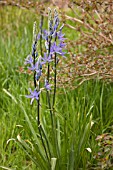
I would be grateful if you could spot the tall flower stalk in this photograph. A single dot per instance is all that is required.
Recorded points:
(46, 60)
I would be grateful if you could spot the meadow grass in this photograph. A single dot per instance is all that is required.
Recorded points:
(81, 114)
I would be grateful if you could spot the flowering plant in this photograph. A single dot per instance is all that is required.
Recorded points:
(43, 63)
(54, 44)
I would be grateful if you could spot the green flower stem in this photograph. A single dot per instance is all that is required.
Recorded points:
(41, 51)
(55, 74)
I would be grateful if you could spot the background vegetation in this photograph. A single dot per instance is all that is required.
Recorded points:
(84, 96)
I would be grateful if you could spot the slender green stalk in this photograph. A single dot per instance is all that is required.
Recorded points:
(55, 75)
(47, 143)
(101, 113)
(48, 69)
(41, 24)
(50, 109)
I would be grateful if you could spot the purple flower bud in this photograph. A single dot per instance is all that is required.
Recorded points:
(60, 36)
(33, 53)
(56, 23)
(40, 66)
(38, 74)
(34, 47)
(41, 24)
(45, 35)
(47, 85)
(57, 60)
(50, 25)
(36, 54)
(38, 37)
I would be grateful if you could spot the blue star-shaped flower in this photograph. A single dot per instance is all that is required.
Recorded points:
(29, 60)
(33, 95)
(37, 66)
(46, 59)
(61, 36)
(56, 49)
(33, 67)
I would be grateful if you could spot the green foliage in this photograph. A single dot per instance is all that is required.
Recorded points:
(80, 115)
